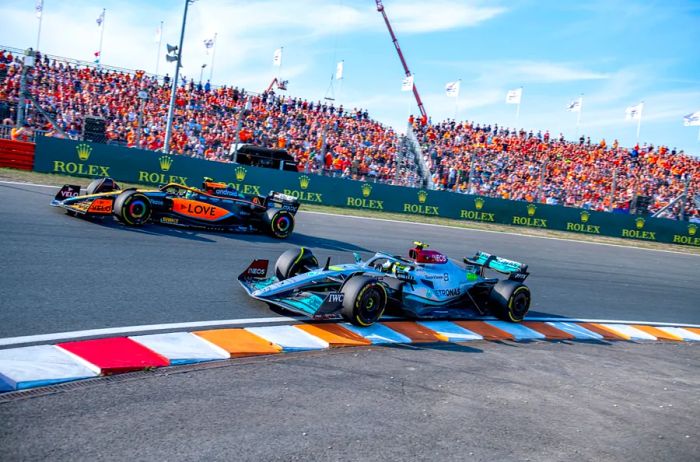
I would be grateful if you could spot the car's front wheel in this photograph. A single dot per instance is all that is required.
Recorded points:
(293, 262)
(132, 208)
(364, 300)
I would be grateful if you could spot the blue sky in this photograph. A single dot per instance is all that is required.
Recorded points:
(617, 53)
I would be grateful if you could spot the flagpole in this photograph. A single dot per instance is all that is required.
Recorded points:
(340, 84)
(41, 18)
(102, 35)
(517, 111)
(459, 88)
(580, 110)
(639, 121)
(160, 45)
(279, 68)
(213, 53)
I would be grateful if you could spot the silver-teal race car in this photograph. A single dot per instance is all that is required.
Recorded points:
(425, 285)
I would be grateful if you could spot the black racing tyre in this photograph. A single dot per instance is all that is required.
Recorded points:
(132, 208)
(280, 222)
(102, 185)
(510, 300)
(364, 300)
(293, 262)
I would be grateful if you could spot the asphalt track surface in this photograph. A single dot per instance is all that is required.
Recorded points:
(485, 401)
(66, 274)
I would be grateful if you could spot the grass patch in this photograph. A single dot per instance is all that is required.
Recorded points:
(8, 174)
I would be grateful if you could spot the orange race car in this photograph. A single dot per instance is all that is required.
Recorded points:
(216, 206)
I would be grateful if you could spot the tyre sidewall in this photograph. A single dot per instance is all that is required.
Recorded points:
(504, 300)
(132, 208)
(358, 291)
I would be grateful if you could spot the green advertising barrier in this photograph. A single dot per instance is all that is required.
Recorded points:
(147, 167)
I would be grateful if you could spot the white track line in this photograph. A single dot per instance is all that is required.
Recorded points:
(238, 322)
(511, 233)
(145, 328)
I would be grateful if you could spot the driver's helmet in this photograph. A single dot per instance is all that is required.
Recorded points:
(190, 194)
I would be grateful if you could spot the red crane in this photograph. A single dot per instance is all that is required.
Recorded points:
(380, 8)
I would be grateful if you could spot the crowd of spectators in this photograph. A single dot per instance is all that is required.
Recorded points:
(514, 164)
(461, 156)
(207, 121)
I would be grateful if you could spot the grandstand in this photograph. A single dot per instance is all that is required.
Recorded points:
(459, 156)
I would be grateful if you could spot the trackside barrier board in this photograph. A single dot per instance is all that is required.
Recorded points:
(289, 338)
(378, 334)
(116, 355)
(451, 332)
(578, 332)
(518, 331)
(685, 334)
(181, 347)
(629, 332)
(40, 365)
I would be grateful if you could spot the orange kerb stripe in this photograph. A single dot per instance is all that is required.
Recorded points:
(335, 334)
(658, 333)
(487, 331)
(604, 331)
(239, 342)
(414, 331)
(693, 329)
(549, 331)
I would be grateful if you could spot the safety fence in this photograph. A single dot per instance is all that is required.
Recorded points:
(151, 168)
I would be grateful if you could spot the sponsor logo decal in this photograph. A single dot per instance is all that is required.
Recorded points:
(530, 219)
(240, 173)
(257, 269)
(165, 163)
(336, 297)
(169, 220)
(197, 209)
(448, 292)
(69, 191)
(303, 194)
(421, 208)
(363, 202)
(101, 206)
(690, 239)
(639, 232)
(161, 178)
(83, 151)
(583, 227)
(445, 276)
(478, 215)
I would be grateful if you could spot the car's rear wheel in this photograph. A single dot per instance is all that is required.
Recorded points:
(364, 300)
(132, 208)
(295, 261)
(280, 222)
(510, 300)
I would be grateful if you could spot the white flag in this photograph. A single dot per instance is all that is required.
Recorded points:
(39, 8)
(407, 83)
(452, 89)
(339, 71)
(514, 96)
(692, 120)
(575, 105)
(634, 112)
(100, 19)
(277, 57)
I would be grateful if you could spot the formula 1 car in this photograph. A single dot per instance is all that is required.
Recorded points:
(216, 207)
(426, 285)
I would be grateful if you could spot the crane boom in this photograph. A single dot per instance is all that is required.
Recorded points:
(380, 8)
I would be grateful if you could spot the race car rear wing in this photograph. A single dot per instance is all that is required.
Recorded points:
(516, 271)
(282, 201)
